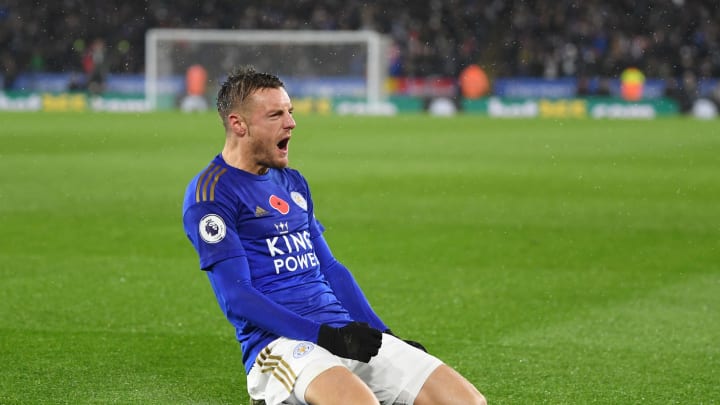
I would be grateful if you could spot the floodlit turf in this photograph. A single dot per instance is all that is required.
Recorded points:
(554, 262)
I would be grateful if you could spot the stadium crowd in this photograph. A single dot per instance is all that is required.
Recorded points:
(539, 38)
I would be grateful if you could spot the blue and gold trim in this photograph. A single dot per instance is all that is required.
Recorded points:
(205, 188)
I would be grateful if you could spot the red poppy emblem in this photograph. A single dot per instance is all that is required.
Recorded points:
(279, 204)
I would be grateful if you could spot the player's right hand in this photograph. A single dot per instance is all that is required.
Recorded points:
(356, 340)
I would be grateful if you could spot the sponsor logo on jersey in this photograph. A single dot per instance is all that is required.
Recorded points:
(302, 349)
(260, 211)
(279, 204)
(299, 200)
(212, 228)
(292, 252)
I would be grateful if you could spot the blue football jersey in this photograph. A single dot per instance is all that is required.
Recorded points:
(269, 219)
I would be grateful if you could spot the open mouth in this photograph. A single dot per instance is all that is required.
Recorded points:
(282, 145)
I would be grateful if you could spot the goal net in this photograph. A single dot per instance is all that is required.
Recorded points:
(349, 65)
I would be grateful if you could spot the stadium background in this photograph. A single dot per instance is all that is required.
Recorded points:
(553, 260)
(577, 50)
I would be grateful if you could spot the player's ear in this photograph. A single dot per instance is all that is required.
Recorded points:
(237, 124)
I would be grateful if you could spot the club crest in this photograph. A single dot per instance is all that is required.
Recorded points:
(302, 349)
(299, 200)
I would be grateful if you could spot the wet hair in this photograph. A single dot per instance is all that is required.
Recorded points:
(239, 85)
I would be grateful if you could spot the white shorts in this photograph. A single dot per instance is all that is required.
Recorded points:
(284, 369)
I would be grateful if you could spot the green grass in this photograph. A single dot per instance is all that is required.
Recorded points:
(556, 262)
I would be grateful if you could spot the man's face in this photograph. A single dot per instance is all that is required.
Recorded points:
(269, 126)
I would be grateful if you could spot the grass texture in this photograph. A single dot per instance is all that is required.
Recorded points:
(550, 262)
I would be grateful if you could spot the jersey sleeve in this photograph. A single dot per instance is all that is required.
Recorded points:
(210, 228)
(345, 287)
(241, 302)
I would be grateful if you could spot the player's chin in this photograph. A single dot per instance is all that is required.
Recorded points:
(281, 162)
(282, 157)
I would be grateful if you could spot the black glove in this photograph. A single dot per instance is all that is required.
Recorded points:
(357, 341)
(412, 343)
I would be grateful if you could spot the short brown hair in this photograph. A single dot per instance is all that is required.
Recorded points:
(240, 84)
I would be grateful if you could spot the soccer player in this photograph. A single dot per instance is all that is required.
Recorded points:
(307, 333)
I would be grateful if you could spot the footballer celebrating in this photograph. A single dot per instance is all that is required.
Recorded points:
(307, 333)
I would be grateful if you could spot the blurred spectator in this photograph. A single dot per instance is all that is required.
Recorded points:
(473, 82)
(9, 70)
(195, 86)
(95, 66)
(715, 95)
(689, 91)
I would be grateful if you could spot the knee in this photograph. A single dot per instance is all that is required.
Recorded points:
(447, 386)
(473, 397)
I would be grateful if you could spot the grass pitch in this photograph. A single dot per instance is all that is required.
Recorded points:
(557, 262)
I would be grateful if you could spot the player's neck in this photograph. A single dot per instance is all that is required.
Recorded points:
(234, 158)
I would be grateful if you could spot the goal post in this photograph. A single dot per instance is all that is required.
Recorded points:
(351, 64)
